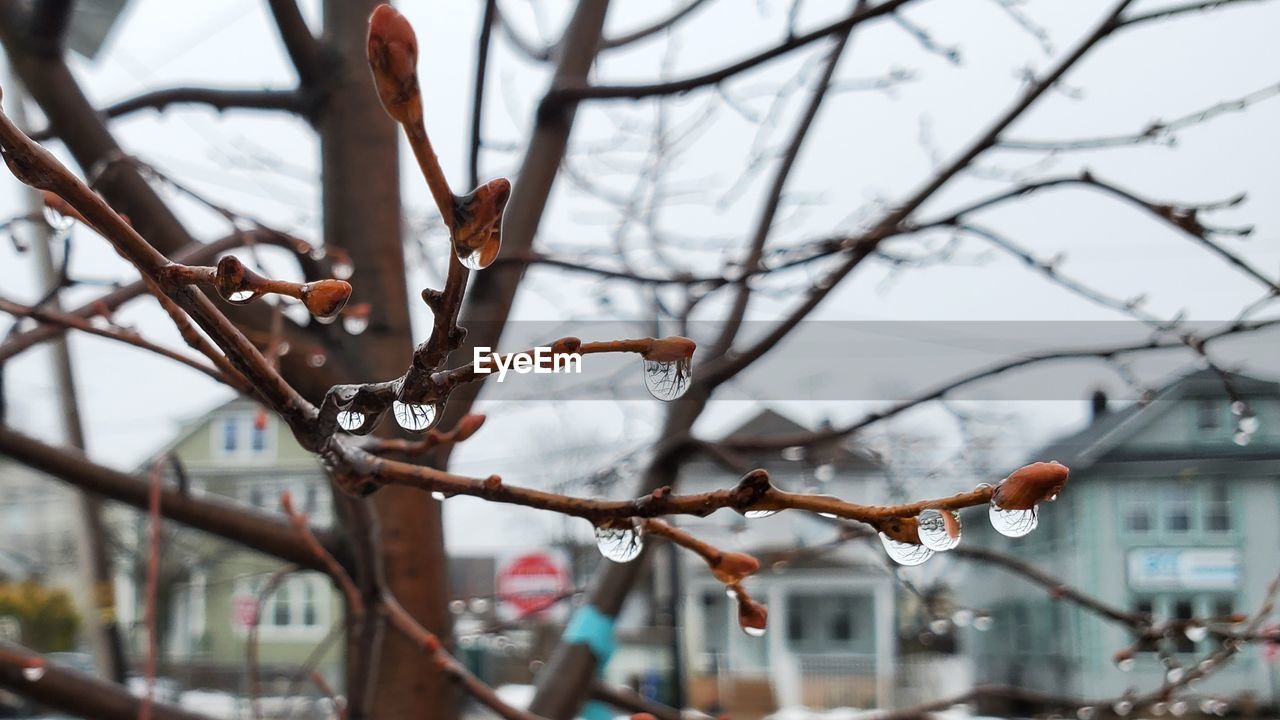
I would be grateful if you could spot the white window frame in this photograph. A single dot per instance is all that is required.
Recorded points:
(294, 585)
(242, 424)
(272, 488)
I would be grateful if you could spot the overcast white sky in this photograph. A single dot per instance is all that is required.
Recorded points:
(868, 146)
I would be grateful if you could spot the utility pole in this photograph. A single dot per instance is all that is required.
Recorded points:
(91, 545)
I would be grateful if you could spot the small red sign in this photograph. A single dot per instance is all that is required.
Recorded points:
(532, 583)
(244, 610)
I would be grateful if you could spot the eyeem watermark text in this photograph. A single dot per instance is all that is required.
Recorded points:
(542, 361)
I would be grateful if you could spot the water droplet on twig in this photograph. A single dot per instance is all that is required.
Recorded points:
(351, 420)
(56, 221)
(414, 417)
(355, 324)
(668, 380)
(620, 542)
(240, 297)
(937, 532)
(904, 553)
(757, 514)
(33, 673)
(1196, 633)
(1087, 712)
(1122, 707)
(1013, 523)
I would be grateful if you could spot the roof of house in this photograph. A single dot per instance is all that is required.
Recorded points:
(768, 422)
(1085, 447)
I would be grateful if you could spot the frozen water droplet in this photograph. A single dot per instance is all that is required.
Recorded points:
(1242, 438)
(983, 623)
(470, 259)
(668, 380)
(939, 626)
(1196, 633)
(1125, 664)
(1159, 709)
(1206, 706)
(354, 324)
(1174, 675)
(757, 514)
(479, 606)
(240, 297)
(57, 221)
(32, 673)
(342, 269)
(317, 359)
(934, 533)
(351, 420)
(793, 453)
(1086, 713)
(414, 417)
(753, 631)
(825, 472)
(1013, 523)
(1122, 707)
(903, 553)
(962, 617)
(1248, 423)
(832, 516)
(731, 593)
(1178, 708)
(438, 496)
(621, 544)
(457, 607)
(1238, 408)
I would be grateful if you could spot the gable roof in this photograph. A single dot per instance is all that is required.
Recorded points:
(1088, 445)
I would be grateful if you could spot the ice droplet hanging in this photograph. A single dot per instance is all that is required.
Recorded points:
(414, 417)
(905, 553)
(1013, 523)
(620, 541)
(939, 532)
(668, 367)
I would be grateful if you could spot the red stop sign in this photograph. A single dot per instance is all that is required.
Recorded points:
(531, 583)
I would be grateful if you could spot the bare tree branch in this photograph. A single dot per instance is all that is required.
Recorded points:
(657, 26)
(299, 42)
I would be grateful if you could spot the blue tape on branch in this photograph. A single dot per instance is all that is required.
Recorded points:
(596, 710)
(594, 629)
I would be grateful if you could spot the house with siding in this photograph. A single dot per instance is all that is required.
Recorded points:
(1171, 510)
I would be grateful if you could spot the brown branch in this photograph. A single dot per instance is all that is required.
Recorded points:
(217, 98)
(154, 530)
(568, 94)
(523, 45)
(333, 568)
(243, 525)
(74, 692)
(487, 20)
(129, 337)
(653, 28)
(624, 698)
(1175, 10)
(299, 42)
(443, 662)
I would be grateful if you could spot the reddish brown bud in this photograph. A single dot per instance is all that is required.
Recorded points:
(642, 716)
(286, 502)
(393, 57)
(734, 567)
(566, 346)
(1028, 486)
(477, 223)
(753, 617)
(671, 349)
(468, 426)
(325, 298)
(905, 530)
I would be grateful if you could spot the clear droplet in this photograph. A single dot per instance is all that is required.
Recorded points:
(668, 380)
(32, 673)
(1087, 712)
(438, 496)
(1159, 709)
(414, 417)
(983, 623)
(1013, 523)
(825, 472)
(793, 453)
(962, 617)
(1174, 675)
(1196, 633)
(342, 269)
(317, 359)
(355, 324)
(621, 544)
(903, 553)
(753, 631)
(934, 533)
(939, 626)
(1206, 706)
(57, 222)
(1178, 708)
(757, 514)
(240, 297)
(351, 420)
(457, 607)
(1122, 707)
(479, 606)
(1248, 423)
(471, 259)
(1126, 664)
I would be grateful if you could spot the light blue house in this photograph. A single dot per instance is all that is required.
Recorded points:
(1166, 513)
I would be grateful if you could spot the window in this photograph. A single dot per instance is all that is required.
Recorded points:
(310, 613)
(1137, 516)
(1217, 509)
(1212, 607)
(308, 494)
(299, 604)
(230, 435)
(258, 435)
(280, 611)
(830, 623)
(1207, 410)
(1183, 609)
(1177, 509)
